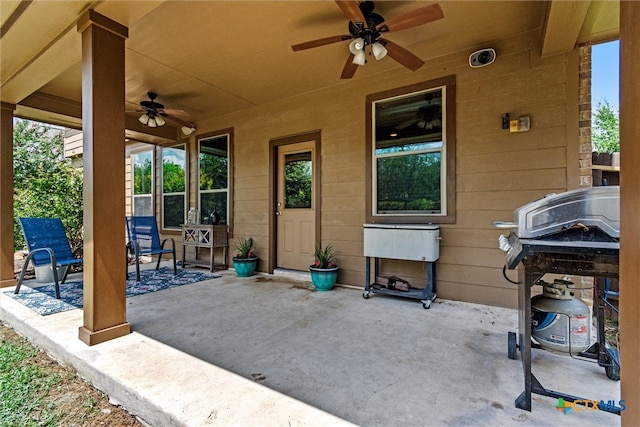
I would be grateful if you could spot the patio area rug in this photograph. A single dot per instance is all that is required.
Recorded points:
(42, 300)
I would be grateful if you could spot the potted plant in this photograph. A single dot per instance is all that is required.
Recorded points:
(324, 272)
(246, 259)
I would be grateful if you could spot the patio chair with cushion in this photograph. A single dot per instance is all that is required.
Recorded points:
(144, 239)
(48, 244)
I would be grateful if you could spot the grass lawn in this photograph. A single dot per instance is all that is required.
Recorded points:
(37, 391)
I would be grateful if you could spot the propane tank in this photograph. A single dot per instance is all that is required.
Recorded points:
(559, 321)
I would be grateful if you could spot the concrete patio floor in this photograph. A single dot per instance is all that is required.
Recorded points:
(269, 351)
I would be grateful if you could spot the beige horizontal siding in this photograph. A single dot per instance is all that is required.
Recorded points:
(73, 144)
(497, 171)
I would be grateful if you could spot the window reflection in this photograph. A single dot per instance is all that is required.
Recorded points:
(297, 180)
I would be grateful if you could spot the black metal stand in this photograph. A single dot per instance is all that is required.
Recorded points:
(426, 295)
(538, 260)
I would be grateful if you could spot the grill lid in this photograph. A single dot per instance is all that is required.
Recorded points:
(597, 207)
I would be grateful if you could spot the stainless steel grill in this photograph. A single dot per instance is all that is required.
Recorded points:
(592, 207)
(573, 233)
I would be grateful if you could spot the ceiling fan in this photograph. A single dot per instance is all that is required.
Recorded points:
(366, 28)
(155, 113)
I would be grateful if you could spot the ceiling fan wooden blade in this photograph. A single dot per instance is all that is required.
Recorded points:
(406, 124)
(175, 112)
(411, 19)
(351, 10)
(349, 68)
(177, 120)
(402, 55)
(320, 42)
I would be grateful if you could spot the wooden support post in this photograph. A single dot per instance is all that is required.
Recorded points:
(6, 195)
(629, 210)
(104, 186)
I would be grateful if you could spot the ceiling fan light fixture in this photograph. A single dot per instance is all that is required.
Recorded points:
(188, 130)
(379, 51)
(357, 45)
(152, 123)
(160, 121)
(359, 58)
(144, 119)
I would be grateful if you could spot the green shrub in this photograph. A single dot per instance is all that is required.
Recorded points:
(45, 183)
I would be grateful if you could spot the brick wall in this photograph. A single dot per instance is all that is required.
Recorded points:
(584, 108)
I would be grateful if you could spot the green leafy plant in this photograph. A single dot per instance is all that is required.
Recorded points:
(245, 248)
(46, 184)
(606, 129)
(325, 256)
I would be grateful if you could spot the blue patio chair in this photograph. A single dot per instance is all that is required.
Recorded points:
(144, 239)
(48, 244)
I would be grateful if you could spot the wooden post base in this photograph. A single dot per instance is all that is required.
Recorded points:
(96, 337)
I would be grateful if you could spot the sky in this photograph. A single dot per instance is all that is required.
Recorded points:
(605, 65)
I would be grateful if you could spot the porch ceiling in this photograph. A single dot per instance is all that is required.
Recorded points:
(211, 58)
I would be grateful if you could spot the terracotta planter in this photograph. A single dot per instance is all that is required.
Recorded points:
(245, 267)
(324, 279)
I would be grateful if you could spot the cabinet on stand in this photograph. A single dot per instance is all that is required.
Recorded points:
(209, 236)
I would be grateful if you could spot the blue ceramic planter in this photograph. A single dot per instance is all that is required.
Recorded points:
(245, 267)
(324, 279)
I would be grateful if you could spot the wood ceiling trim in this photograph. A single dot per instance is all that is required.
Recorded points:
(562, 26)
(17, 12)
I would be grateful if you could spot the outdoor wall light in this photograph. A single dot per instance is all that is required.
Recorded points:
(188, 130)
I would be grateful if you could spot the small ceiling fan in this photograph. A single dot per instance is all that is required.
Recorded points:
(366, 28)
(155, 113)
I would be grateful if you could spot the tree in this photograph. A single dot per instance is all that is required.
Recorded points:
(45, 182)
(605, 134)
(142, 177)
(297, 184)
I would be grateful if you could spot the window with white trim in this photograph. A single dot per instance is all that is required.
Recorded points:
(142, 164)
(174, 179)
(213, 163)
(411, 154)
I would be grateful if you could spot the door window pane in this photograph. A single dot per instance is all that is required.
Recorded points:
(297, 180)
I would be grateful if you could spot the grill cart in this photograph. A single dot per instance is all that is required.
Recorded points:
(573, 233)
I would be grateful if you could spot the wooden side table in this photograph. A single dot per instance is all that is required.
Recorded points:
(205, 236)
